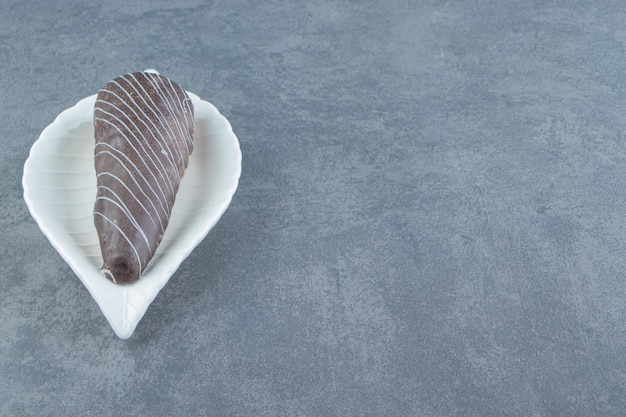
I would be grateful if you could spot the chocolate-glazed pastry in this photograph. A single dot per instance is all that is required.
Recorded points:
(144, 129)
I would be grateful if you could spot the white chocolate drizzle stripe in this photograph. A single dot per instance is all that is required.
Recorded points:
(151, 119)
(162, 92)
(157, 135)
(154, 107)
(163, 200)
(124, 236)
(122, 207)
(139, 154)
(131, 194)
(109, 153)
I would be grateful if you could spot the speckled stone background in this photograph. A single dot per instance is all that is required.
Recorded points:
(431, 218)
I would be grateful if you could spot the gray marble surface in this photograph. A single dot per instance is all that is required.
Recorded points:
(431, 218)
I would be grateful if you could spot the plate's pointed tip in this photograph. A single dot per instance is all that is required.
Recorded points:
(124, 332)
(123, 323)
(123, 307)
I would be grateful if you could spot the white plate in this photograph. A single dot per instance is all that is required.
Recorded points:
(60, 188)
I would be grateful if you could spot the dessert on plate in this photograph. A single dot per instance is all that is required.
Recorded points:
(144, 127)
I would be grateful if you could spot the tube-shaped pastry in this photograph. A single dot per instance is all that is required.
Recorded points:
(144, 127)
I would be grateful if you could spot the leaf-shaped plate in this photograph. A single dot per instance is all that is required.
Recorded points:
(60, 188)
